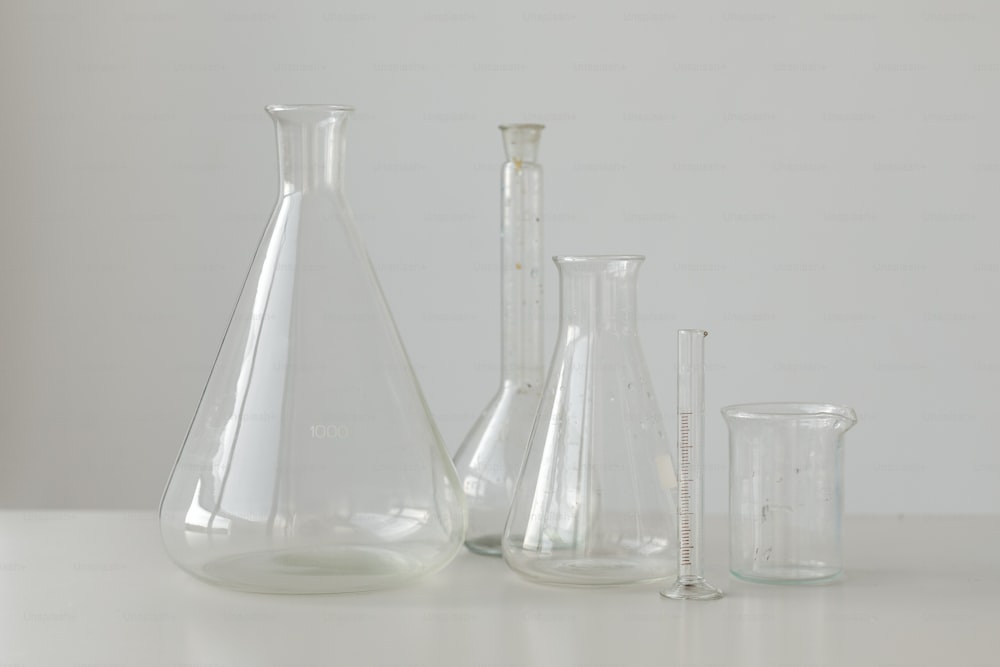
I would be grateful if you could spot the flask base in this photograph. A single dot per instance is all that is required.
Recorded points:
(591, 571)
(318, 570)
(486, 545)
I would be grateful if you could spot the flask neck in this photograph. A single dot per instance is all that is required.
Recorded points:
(521, 270)
(598, 294)
(311, 145)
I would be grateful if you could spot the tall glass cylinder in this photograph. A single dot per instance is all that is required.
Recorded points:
(491, 453)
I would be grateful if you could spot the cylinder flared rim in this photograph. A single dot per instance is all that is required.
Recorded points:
(332, 108)
(580, 259)
(788, 410)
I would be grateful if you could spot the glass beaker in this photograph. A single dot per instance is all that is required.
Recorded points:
(786, 498)
(595, 500)
(312, 464)
(490, 456)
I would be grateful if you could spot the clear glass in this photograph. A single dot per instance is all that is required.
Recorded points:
(786, 493)
(490, 456)
(595, 500)
(690, 583)
(312, 464)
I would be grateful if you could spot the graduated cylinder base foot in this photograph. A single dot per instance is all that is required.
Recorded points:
(692, 589)
(485, 545)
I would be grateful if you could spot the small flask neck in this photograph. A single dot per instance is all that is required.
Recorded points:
(599, 295)
(311, 145)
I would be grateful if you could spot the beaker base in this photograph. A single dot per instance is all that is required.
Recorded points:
(319, 570)
(591, 571)
(792, 574)
(695, 589)
(487, 545)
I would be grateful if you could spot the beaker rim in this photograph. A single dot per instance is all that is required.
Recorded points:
(786, 410)
(521, 126)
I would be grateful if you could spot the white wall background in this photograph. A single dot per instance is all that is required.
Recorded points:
(814, 183)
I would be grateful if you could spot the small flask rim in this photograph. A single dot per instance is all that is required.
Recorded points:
(332, 108)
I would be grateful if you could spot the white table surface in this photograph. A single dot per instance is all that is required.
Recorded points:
(95, 588)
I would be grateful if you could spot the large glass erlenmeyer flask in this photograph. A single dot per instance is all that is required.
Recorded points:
(595, 501)
(312, 464)
(490, 456)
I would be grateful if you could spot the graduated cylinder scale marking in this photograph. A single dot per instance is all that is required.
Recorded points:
(684, 509)
(690, 583)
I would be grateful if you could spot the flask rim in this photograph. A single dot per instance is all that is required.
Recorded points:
(333, 108)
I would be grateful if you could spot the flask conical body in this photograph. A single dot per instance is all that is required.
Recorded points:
(595, 500)
(490, 456)
(312, 464)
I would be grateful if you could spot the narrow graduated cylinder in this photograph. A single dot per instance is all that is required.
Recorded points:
(690, 583)
(490, 456)
(312, 464)
(595, 500)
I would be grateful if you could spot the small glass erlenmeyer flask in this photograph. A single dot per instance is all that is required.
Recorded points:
(595, 500)
(491, 454)
(312, 464)
(786, 498)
